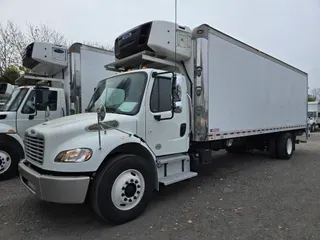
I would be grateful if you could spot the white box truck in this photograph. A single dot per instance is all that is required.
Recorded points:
(179, 95)
(314, 115)
(70, 76)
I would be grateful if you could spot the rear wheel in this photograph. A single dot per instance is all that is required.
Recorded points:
(285, 146)
(122, 189)
(9, 160)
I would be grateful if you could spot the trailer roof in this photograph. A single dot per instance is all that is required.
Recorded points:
(203, 30)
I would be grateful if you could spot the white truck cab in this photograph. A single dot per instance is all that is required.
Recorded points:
(314, 115)
(163, 114)
(62, 84)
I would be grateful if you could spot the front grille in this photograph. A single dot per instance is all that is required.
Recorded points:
(34, 148)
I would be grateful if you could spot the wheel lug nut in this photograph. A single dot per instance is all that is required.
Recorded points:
(122, 195)
(130, 200)
(135, 197)
(136, 181)
(123, 188)
(126, 199)
(138, 192)
(132, 180)
(139, 186)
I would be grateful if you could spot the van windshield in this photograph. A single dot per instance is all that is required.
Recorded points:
(120, 94)
(15, 99)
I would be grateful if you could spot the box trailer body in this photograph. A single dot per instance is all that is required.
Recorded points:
(63, 80)
(178, 96)
(259, 92)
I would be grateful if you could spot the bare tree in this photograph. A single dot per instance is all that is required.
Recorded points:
(316, 93)
(43, 33)
(12, 42)
(99, 45)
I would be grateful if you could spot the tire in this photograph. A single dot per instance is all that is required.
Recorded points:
(9, 160)
(115, 194)
(285, 146)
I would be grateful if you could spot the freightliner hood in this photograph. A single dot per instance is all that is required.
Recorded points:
(68, 127)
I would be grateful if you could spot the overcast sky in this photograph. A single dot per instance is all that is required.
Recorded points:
(286, 29)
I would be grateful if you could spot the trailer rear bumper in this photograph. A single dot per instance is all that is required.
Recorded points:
(57, 189)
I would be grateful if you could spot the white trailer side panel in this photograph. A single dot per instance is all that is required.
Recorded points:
(93, 61)
(251, 92)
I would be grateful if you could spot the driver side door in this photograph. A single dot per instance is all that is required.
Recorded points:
(170, 135)
(28, 116)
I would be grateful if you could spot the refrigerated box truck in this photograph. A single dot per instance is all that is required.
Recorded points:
(173, 102)
(61, 85)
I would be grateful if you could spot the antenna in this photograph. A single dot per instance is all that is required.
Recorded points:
(175, 34)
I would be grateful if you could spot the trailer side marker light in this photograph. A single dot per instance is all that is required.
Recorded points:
(200, 31)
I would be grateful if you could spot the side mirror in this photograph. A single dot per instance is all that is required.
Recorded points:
(101, 112)
(173, 91)
(47, 113)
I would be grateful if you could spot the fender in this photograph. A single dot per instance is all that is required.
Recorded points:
(138, 147)
(6, 129)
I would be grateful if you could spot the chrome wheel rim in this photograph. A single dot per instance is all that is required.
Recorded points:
(289, 146)
(5, 161)
(128, 189)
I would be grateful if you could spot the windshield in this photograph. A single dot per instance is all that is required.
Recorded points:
(311, 114)
(15, 99)
(120, 94)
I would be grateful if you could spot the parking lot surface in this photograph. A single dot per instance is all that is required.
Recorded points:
(238, 197)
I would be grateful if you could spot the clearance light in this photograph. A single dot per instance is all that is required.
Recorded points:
(11, 131)
(200, 31)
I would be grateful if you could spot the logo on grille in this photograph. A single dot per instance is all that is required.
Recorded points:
(32, 131)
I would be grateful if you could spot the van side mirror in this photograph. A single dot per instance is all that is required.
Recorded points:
(173, 92)
(47, 113)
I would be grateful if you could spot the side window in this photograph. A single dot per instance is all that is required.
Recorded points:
(44, 98)
(160, 100)
(28, 107)
(47, 98)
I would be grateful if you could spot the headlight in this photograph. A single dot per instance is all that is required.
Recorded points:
(77, 155)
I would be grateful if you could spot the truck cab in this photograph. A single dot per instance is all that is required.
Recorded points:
(27, 106)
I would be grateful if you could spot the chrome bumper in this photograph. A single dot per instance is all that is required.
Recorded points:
(58, 189)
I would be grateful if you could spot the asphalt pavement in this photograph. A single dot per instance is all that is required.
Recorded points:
(238, 197)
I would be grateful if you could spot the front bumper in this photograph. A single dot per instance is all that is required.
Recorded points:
(58, 189)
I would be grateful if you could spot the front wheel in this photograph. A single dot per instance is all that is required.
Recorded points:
(9, 160)
(122, 189)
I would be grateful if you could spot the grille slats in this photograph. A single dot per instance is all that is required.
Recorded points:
(34, 148)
